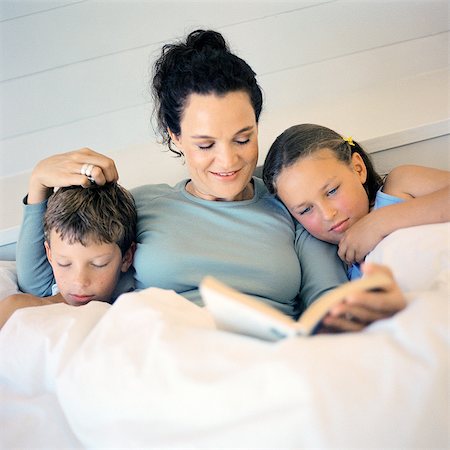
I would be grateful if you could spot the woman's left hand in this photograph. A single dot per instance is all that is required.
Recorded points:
(361, 309)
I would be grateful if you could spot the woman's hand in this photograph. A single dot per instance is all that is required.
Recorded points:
(65, 169)
(361, 309)
(361, 238)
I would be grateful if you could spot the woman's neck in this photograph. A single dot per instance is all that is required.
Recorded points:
(246, 194)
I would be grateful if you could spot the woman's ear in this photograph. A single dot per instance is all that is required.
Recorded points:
(175, 138)
(359, 167)
(127, 258)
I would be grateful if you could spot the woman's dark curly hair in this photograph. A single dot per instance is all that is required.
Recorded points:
(201, 65)
(303, 140)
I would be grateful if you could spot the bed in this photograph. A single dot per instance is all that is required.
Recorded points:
(152, 371)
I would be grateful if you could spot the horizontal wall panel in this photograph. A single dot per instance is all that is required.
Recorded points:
(103, 133)
(74, 93)
(383, 109)
(13, 9)
(117, 81)
(291, 96)
(335, 29)
(427, 132)
(328, 80)
(430, 153)
(91, 29)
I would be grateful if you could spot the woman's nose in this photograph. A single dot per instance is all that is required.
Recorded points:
(227, 157)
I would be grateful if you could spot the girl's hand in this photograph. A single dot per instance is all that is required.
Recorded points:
(65, 170)
(360, 239)
(361, 309)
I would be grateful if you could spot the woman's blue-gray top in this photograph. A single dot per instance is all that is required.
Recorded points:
(252, 245)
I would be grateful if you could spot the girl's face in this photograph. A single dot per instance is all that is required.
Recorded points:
(219, 139)
(324, 194)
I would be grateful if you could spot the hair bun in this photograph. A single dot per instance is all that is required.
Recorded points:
(203, 39)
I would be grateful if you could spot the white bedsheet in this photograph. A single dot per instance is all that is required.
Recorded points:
(151, 371)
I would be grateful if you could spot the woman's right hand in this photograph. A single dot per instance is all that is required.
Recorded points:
(362, 308)
(64, 169)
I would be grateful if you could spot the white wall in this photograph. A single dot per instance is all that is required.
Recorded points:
(75, 73)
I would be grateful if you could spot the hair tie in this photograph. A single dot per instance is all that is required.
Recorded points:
(349, 140)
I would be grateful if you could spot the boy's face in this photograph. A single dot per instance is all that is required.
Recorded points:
(86, 273)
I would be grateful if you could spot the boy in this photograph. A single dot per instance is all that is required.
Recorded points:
(90, 243)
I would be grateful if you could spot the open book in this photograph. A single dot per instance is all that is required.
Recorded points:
(241, 313)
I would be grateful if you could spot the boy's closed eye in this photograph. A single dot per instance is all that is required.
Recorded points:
(60, 264)
(99, 266)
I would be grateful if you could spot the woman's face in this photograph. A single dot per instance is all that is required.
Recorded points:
(219, 139)
(324, 194)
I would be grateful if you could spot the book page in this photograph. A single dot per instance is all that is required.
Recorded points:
(241, 313)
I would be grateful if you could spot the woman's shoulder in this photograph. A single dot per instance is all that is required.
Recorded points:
(152, 191)
(262, 193)
(267, 201)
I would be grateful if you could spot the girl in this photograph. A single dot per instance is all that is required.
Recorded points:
(329, 185)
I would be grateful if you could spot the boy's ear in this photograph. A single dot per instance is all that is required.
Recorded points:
(359, 167)
(48, 251)
(127, 258)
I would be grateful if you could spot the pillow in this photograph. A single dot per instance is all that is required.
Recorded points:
(418, 256)
(8, 279)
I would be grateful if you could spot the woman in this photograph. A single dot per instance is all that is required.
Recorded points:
(221, 221)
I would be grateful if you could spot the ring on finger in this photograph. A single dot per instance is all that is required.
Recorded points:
(88, 171)
(84, 168)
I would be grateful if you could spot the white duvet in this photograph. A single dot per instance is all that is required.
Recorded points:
(152, 371)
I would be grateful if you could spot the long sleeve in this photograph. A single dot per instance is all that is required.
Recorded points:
(34, 273)
(321, 267)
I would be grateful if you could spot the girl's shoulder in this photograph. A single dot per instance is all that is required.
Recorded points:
(410, 181)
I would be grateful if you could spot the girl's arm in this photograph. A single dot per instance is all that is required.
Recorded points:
(410, 181)
(426, 193)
